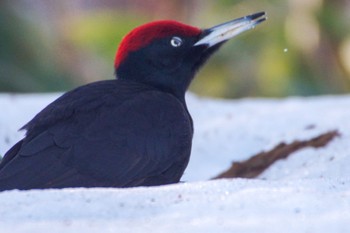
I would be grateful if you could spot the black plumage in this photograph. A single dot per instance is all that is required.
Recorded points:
(131, 131)
(108, 138)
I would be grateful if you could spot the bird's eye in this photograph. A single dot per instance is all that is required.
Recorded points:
(176, 41)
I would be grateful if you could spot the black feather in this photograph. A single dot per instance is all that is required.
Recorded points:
(113, 133)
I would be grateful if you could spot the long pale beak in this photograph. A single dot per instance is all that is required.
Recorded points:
(225, 31)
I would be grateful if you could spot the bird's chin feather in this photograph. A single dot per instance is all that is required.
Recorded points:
(206, 54)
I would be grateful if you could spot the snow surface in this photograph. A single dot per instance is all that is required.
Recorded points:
(307, 192)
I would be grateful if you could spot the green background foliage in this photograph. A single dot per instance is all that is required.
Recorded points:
(302, 49)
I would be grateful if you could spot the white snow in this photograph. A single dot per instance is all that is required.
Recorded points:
(307, 192)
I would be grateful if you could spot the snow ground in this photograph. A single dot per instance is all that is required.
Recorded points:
(307, 192)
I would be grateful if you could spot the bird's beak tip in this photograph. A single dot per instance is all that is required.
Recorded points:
(226, 31)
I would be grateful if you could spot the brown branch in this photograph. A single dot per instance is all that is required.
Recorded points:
(254, 166)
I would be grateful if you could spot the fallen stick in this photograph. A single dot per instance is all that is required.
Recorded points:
(254, 166)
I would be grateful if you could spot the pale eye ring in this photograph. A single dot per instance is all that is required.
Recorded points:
(176, 41)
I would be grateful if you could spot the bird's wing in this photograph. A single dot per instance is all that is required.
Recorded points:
(146, 140)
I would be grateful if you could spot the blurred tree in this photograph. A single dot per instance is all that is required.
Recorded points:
(302, 49)
(27, 63)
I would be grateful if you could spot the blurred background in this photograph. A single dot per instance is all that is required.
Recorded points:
(302, 49)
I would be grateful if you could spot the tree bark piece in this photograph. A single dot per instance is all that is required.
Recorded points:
(254, 166)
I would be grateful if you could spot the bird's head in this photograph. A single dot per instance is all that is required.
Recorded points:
(166, 54)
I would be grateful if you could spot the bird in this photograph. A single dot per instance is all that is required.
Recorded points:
(133, 130)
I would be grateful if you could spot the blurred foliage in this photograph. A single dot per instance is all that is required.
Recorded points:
(27, 63)
(101, 31)
(302, 49)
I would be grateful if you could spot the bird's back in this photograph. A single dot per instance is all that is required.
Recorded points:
(110, 133)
